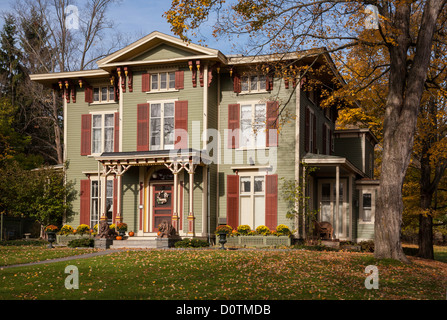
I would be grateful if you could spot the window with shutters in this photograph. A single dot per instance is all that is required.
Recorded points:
(253, 83)
(252, 200)
(103, 127)
(253, 125)
(104, 94)
(162, 116)
(163, 81)
(94, 201)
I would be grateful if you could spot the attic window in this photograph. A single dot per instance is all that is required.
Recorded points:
(163, 81)
(253, 83)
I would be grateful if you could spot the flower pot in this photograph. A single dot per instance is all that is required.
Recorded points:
(51, 238)
(222, 239)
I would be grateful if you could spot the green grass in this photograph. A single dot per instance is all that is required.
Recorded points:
(231, 274)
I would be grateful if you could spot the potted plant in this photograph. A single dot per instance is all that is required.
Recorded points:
(51, 234)
(121, 228)
(223, 231)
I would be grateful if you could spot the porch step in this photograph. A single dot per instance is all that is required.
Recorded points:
(135, 243)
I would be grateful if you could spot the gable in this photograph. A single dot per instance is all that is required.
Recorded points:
(158, 47)
(161, 52)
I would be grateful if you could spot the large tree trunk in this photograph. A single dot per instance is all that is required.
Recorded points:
(406, 85)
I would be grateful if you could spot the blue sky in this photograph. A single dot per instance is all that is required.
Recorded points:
(141, 17)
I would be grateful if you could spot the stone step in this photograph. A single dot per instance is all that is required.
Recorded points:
(134, 243)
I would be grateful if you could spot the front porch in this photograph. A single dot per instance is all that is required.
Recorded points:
(152, 187)
(333, 190)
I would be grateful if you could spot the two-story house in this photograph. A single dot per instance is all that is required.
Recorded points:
(166, 130)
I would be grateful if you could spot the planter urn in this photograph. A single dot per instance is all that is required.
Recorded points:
(222, 239)
(51, 238)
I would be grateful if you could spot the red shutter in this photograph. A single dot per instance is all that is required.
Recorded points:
(237, 83)
(146, 82)
(272, 124)
(325, 150)
(88, 94)
(86, 134)
(307, 130)
(314, 133)
(181, 123)
(85, 202)
(233, 125)
(179, 80)
(271, 201)
(268, 83)
(233, 201)
(116, 140)
(115, 199)
(143, 127)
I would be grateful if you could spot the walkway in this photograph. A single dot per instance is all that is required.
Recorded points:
(82, 256)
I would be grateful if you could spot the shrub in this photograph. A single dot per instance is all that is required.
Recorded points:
(244, 229)
(263, 230)
(83, 229)
(81, 243)
(191, 243)
(66, 230)
(367, 246)
(283, 230)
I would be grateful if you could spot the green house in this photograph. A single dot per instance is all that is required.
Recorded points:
(169, 131)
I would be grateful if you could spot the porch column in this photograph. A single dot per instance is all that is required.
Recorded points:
(103, 191)
(119, 217)
(175, 168)
(190, 167)
(337, 200)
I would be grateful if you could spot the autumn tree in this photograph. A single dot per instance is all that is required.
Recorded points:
(405, 33)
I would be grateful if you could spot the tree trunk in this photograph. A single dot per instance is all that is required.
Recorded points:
(425, 241)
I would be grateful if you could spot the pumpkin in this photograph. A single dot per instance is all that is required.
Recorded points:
(119, 238)
(131, 234)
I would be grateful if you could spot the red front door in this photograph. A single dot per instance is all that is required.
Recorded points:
(161, 204)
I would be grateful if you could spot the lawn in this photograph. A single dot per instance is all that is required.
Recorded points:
(231, 274)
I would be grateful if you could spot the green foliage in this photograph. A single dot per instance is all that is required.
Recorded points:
(191, 243)
(41, 194)
(84, 242)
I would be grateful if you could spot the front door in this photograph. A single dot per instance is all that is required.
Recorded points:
(161, 204)
(327, 202)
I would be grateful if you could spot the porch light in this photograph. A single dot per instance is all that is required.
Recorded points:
(80, 84)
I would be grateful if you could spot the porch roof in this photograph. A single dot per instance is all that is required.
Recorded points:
(155, 157)
(322, 160)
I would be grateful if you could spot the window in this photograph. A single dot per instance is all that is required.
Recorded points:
(103, 94)
(162, 126)
(253, 125)
(367, 209)
(95, 192)
(252, 201)
(163, 81)
(253, 83)
(103, 126)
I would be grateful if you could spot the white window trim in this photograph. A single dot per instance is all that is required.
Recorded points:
(158, 90)
(162, 102)
(102, 114)
(260, 89)
(373, 205)
(252, 194)
(100, 102)
(94, 178)
(253, 117)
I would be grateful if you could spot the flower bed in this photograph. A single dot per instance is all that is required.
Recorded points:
(261, 237)
(259, 241)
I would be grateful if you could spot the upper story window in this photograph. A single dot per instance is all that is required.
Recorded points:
(102, 133)
(253, 125)
(253, 83)
(162, 125)
(163, 81)
(103, 94)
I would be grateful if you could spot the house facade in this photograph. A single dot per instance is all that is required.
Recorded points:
(169, 131)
